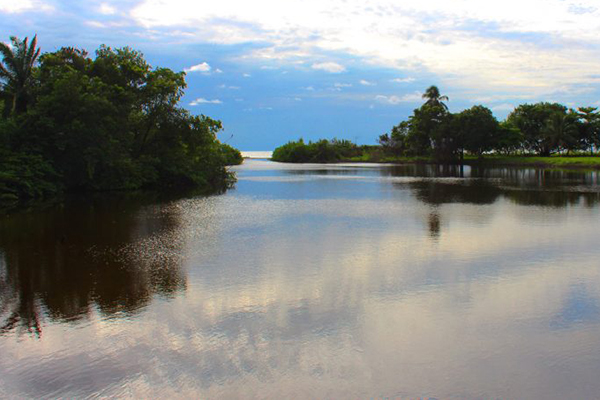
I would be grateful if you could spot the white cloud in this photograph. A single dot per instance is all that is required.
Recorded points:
(201, 100)
(503, 107)
(105, 25)
(107, 9)
(342, 85)
(18, 6)
(203, 67)
(462, 42)
(330, 67)
(309, 88)
(9, 6)
(95, 24)
(218, 71)
(246, 75)
(388, 99)
(414, 97)
(403, 80)
(367, 83)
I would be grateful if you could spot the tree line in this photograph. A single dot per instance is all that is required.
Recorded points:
(72, 122)
(542, 129)
(321, 151)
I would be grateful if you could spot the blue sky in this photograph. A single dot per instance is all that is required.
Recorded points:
(274, 71)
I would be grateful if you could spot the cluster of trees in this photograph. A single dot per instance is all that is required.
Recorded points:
(543, 129)
(111, 122)
(322, 151)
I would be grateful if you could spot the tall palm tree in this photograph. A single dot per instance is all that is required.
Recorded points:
(16, 70)
(434, 98)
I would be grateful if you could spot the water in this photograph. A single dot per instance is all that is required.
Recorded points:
(310, 281)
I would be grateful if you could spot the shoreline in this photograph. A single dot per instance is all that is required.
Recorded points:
(564, 163)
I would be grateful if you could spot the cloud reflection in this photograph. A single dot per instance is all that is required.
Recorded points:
(344, 294)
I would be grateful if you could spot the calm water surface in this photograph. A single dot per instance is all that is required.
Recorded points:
(311, 281)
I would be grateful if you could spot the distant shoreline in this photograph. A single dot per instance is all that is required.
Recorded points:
(563, 162)
(263, 154)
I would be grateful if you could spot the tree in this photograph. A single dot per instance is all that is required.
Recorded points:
(588, 128)
(434, 98)
(531, 119)
(476, 129)
(559, 131)
(430, 132)
(509, 140)
(16, 70)
(395, 142)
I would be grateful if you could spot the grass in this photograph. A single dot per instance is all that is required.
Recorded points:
(552, 161)
(555, 161)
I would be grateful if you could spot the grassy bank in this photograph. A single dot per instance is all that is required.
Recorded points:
(335, 151)
(567, 162)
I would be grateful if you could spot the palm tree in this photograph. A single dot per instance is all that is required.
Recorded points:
(559, 131)
(432, 94)
(16, 70)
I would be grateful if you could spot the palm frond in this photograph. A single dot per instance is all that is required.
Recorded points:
(32, 54)
(8, 56)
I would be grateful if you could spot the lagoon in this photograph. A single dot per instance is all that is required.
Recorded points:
(311, 281)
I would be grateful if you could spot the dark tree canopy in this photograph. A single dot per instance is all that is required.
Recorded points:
(111, 122)
(16, 73)
(434, 98)
(541, 128)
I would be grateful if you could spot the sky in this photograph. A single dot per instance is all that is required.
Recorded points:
(275, 71)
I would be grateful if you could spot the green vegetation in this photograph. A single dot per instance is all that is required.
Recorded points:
(323, 151)
(549, 131)
(573, 161)
(71, 122)
(541, 129)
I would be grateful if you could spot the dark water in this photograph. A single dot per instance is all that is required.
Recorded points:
(311, 281)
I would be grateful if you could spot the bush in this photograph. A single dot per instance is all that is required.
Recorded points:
(323, 151)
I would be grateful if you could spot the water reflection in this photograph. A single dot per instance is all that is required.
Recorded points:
(63, 261)
(523, 186)
(362, 282)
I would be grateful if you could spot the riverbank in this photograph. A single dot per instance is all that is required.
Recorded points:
(560, 162)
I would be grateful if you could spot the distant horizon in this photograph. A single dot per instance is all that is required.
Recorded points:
(322, 70)
(256, 154)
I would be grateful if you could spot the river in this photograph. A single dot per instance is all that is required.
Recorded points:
(339, 281)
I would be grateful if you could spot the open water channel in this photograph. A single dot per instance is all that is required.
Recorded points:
(311, 282)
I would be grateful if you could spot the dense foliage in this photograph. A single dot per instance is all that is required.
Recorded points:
(433, 132)
(322, 151)
(542, 129)
(111, 122)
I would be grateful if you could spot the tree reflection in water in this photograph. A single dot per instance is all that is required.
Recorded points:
(111, 254)
(446, 184)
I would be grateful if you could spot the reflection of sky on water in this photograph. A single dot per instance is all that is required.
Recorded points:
(579, 307)
(343, 288)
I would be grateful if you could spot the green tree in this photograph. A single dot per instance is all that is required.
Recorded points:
(509, 139)
(588, 128)
(110, 123)
(396, 141)
(559, 131)
(434, 98)
(16, 73)
(477, 129)
(531, 120)
(430, 132)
